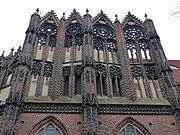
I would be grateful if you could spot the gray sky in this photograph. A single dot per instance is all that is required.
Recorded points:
(15, 16)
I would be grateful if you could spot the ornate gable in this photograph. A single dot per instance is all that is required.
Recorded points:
(102, 18)
(130, 19)
(75, 17)
(50, 17)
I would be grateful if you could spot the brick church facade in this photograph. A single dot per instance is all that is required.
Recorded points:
(89, 76)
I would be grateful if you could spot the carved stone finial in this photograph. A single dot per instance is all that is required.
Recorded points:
(37, 10)
(145, 15)
(101, 12)
(2, 54)
(116, 20)
(129, 13)
(12, 50)
(63, 17)
(19, 49)
(74, 10)
(87, 10)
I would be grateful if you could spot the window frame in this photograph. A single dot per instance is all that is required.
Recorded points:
(44, 127)
(125, 130)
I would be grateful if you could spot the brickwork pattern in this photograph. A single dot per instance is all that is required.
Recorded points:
(108, 124)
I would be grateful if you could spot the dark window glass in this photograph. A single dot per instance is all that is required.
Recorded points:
(50, 130)
(66, 86)
(78, 85)
(130, 130)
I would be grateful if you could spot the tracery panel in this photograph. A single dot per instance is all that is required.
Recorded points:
(115, 74)
(48, 28)
(132, 51)
(98, 44)
(48, 67)
(52, 41)
(78, 72)
(100, 71)
(36, 68)
(151, 72)
(78, 40)
(42, 39)
(137, 72)
(145, 50)
(74, 29)
(47, 32)
(66, 74)
(111, 45)
(68, 41)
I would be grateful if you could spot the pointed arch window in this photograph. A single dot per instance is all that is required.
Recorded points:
(137, 45)
(132, 51)
(78, 72)
(47, 34)
(66, 74)
(130, 130)
(49, 129)
(115, 74)
(144, 48)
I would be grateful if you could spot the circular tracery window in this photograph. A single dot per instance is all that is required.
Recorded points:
(74, 29)
(48, 28)
(104, 31)
(133, 32)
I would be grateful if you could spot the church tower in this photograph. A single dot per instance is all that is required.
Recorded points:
(88, 75)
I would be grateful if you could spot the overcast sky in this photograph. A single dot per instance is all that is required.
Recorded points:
(15, 16)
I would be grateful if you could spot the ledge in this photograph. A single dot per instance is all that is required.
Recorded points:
(101, 100)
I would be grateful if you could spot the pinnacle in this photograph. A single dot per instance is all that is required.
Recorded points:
(116, 19)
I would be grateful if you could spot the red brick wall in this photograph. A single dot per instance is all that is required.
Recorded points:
(70, 121)
(160, 124)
